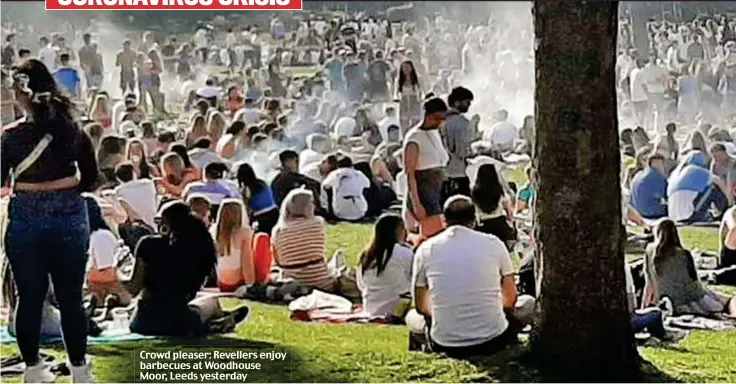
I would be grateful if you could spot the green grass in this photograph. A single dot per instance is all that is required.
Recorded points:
(373, 353)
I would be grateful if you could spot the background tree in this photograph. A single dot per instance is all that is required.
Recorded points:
(584, 329)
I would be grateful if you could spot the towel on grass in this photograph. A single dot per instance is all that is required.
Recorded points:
(105, 337)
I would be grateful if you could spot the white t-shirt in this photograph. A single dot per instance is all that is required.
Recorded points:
(309, 156)
(462, 270)
(681, 205)
(347, 185)
(47, 55)
(380, 293)
(141, 195)
(654, 77)
(432, 152)
(637, 91)
(102, 249)
(385, 123)
(502, 134)
(251, 116)
(208, 92)
(345, 127)
(312, 171)
(187, 87)
(200, 39)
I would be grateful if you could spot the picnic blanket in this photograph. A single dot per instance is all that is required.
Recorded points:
(699, 322)
(328, 308)
(105, 337)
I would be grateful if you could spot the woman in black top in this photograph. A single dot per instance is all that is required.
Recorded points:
(48, 227)
(175, 264)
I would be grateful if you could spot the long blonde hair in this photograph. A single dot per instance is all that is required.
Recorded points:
(231, 217)
(176, 162)
(215, 126)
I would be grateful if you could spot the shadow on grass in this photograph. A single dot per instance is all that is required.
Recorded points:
(517, 364)
(121, 362)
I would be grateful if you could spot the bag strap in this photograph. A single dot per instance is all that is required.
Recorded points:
(33, 156)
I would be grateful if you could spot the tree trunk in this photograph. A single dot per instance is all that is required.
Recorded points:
(584, 330)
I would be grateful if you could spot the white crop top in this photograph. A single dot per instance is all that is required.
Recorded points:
(432, 153)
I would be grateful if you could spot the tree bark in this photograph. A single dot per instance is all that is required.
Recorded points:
(584, 330)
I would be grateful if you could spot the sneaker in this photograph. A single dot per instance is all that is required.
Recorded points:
(39, 373)
(82, 374)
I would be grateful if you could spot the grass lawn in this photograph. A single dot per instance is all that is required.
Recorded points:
(368, 353)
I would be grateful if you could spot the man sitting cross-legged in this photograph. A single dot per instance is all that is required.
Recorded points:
(463, 287)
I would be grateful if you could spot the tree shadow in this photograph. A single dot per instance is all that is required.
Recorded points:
(518, 364)
(121, 362)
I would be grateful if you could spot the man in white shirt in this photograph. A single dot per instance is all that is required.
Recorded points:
(209, 92)
(140, 194)
(639, 93)
(654, 77)
(463, 280)
(389, 120)
(345, 127)
(47, 53)
(344, 189)
(502, 135)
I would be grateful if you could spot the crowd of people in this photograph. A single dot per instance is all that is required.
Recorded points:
(229, 182)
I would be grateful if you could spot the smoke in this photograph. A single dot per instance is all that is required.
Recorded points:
(502, 75)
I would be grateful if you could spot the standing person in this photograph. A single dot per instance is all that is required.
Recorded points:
(47, 53)
(334, 66)
(457, 138)
(48, 225)
(425, 159)
(8, 52)
(201, 43)
(639, 92)
(87, 59)
(68, 78)
(126, 60)
(354, 75)
(259, 198)
(378, 73)
(409, 94)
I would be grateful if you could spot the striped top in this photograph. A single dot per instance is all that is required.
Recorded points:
(299, 250)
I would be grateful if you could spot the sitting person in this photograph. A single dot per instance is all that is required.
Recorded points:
(692, 190)
(298, 242)
(317, 147)
(670, 272)
(140, 193)
(175, 264)
(495, 209)
(175, 175)
(259, 198)
(649, 189)
(723, 166)
(202, 154)
(201, 208)
(463, 285)
(384, 271)
(343, 192)
(727, 236)
(102, 274)
(233, 236)
(525, 196)
(289, 177)
(214, 186)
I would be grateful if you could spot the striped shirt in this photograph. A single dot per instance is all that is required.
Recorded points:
(299, 251)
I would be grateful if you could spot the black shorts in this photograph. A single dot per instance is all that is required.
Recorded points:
(429, 188)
